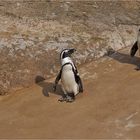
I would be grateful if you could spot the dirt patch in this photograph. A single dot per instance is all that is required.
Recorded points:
(108, 108)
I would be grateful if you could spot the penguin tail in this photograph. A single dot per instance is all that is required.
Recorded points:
(134, 49)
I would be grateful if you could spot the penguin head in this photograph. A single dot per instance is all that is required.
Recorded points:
(66, 53)
(139, 29)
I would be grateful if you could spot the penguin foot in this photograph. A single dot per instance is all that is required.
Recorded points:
(69, 99)
(62, 99)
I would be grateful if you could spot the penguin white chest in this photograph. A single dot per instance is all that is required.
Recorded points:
(68, 79)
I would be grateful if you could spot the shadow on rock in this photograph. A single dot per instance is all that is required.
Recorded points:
(125, 58)
(47, 87)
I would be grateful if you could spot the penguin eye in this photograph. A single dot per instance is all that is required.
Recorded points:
(64, 53)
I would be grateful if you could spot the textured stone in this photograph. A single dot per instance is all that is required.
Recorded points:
(32, 34)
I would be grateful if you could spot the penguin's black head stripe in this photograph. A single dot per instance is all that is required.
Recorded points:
(66, 53)
(63, 53)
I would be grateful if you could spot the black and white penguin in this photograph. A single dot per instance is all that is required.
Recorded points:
(70, 79)
(136, 46)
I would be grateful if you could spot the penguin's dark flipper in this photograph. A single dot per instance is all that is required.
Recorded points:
(80, 86)
(79, 82)
(78, 79)
(134, 49)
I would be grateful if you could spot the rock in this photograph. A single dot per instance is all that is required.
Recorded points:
(32, 34)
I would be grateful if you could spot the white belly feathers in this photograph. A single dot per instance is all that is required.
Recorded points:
(68, 79)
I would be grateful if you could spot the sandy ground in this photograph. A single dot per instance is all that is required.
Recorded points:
(108, 108)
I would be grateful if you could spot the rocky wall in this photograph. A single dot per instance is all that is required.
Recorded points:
(33, 32)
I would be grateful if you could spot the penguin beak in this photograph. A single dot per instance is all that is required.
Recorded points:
(71, 51)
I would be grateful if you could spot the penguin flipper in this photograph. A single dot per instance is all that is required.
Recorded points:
(79, 82)
(134, 49)
(78, 79)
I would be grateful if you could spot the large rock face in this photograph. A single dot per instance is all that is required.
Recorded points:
(32, 34)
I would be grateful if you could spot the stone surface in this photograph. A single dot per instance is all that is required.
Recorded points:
(32, 34)
(109, 107)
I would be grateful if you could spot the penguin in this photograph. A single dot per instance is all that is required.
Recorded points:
(70, 78)
(136, 46)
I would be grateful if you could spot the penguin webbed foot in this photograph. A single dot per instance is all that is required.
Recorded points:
(62, 99)
(66, 98)
(70, 99)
